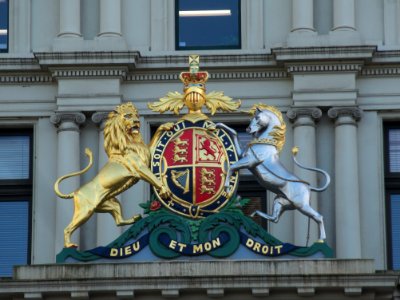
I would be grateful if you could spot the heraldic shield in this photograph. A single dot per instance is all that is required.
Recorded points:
(192, 160)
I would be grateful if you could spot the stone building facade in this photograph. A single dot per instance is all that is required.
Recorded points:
(332, 67)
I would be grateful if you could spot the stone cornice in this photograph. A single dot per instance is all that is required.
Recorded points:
(207, 60)
(387, 56)
(46, 59)
(224, 65)
(324, 53)
(18, 63)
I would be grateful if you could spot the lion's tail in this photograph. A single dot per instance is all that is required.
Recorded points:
(327, 177)
(89, 153)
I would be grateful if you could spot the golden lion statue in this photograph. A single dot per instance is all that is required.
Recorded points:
(129, 159)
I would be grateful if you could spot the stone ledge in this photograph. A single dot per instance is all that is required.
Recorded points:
(202, 269)
(294, 279)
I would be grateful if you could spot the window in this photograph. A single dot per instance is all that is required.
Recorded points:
(392, 185)
(3, 25)
(15, 199)
(207, 24)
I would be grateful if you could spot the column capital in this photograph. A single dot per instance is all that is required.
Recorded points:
(345, 115)
(68, 121)
(99, 118)
(304, 116)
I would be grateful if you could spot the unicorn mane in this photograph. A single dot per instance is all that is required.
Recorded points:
(278, 132)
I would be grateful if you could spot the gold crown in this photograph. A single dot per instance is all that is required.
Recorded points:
(194, 76)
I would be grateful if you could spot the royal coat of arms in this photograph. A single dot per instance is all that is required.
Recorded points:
(193, 157)
(193, 166)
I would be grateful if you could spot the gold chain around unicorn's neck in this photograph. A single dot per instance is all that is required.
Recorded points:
(264, 141)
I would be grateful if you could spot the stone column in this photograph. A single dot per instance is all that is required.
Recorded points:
(302, 16)
(347, 206)
(343, 15)
(107, 230)
(304, 137)
(67, 162)
(70, 18)
(110, 18)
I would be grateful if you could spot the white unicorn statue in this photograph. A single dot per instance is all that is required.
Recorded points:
(261, 157)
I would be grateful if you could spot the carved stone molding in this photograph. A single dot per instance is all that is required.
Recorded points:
(331, 67)
(304, 116)
(95, 72)
(87, 57)
(345, 115)
(231, 59)
(67, 121)
(320, 53)
(99, 118)
(381, 71)
(30, 78)
(213, 75)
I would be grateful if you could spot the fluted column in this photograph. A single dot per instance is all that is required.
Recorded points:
(304, 137)
(110, 18)
(344, 15)
(67, 162)
(106, 230)
(70, 18)
(347, 206)
(302, 15)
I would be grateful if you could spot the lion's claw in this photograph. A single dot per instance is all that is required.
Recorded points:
(164, 193)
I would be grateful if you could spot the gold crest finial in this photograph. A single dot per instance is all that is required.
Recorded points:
(194, 95)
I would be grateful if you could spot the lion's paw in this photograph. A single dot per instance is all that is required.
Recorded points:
(166, 126)
(164, 193)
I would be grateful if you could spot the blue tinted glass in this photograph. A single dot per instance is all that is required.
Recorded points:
(3, 25)
(395, 220)
(216, 24)
(14, 157)
(394, 150)
(14, 229)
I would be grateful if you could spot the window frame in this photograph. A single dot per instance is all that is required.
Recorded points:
(392, 183)
(179, 48)
(20, 190)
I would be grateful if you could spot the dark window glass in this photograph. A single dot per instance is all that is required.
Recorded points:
(14, 229)
(15, 198)
(392, 185)
(248, 185)
(394, 150)
(3, 25)
(14, 157)
(395, 224)
(207, 24)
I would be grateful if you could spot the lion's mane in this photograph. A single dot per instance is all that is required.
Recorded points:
(117, 139)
